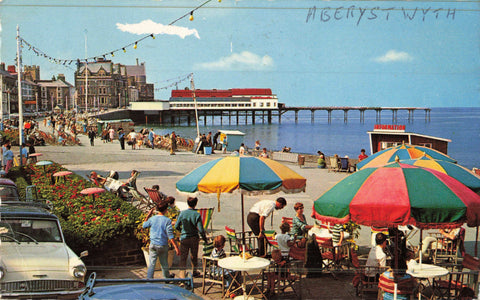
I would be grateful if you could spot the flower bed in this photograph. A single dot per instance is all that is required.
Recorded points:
(87, 223)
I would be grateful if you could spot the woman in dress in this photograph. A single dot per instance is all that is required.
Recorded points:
(299, 224)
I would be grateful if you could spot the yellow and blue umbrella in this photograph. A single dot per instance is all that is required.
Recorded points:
(465, 176)
(403, 152)
(248, 175)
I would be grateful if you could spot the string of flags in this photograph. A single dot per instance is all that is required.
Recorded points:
(67, 62)
(176, 80)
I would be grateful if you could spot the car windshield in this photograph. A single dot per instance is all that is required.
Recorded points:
(28, 230)
(8, 193)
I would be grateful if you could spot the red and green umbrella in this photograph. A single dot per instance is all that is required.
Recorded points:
(248, 175)
(465, 176)
(403, 152)
(399, 194)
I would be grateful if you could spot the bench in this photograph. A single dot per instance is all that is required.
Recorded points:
(285, 156)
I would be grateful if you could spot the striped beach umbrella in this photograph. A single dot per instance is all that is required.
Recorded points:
(465, 176)
(247, 175)
(399, 194)
(403, 152)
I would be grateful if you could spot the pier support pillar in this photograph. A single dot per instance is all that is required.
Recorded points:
(246, 117)
(329, 111)
(345, 116)
(312, 116)
(229, 118)
(378, 116)
(362, 116)
(253, 117)
(410, 115)
(394, 116)
(269, 116)
(296, 116)
(205, 118)
(238, 118)
(189, 120)
(427, 115)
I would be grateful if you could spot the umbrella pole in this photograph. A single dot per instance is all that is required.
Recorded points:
(420, 245)
(476, 242)
(243, 220)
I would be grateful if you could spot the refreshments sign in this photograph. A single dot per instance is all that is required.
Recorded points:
(385, 127)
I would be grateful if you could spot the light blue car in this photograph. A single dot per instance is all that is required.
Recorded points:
(138, 289)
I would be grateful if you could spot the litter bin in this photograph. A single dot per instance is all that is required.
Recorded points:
(207, 150)
(301, 160)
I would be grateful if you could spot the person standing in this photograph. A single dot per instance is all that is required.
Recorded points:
(161, 233)
(241, 151)
(24, 155)
(224, 144)
(173, 143)
(91, 136)
(215, 140)
(257, 215)
(151, 137)
(8, 157)
(121, 138)
(111, 134)
(189, 222)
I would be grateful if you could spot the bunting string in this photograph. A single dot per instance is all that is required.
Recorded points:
(175, 82)
(37, 51)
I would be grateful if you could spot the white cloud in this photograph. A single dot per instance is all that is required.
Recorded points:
(393, 56)
(239, 61)
(148, 27)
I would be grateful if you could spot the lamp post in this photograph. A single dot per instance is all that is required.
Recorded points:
(20, 102)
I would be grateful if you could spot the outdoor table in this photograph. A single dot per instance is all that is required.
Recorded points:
(237, 263)
(428, 272)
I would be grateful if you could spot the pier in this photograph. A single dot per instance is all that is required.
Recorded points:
(237, 116)
(360, 109)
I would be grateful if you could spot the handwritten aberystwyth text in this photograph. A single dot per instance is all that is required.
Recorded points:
(362, 14)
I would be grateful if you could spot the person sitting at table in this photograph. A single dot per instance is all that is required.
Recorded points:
(284, 240)
(299, 223)
(406, 284)
(377, 256)
(218, 252)
(429, 243)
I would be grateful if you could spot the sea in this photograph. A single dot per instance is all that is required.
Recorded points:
(459, 124)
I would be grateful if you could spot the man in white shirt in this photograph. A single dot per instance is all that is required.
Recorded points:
(376, 256)
(257, 215)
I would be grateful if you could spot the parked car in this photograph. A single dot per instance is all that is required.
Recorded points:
(35, 261)
(9, 195)
(138, 289)
(8, 190)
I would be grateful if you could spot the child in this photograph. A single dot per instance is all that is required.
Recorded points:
(218, 252)
(285, 241)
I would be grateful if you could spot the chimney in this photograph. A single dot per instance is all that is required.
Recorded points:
(137, 61)
(61, 77)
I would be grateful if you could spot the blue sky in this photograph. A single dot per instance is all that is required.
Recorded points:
(310, 53)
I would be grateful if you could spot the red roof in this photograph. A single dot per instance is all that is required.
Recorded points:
(221, 93)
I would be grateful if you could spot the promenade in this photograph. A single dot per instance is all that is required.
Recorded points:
(158, 167)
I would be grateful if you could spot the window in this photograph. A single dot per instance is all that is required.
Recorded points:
(427, 145)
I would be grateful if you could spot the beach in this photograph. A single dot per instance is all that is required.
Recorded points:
(159, 167)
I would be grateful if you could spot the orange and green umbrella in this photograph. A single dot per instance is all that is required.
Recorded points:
(399, 194)
(248, 175)
(403, 152)
(465, 176)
